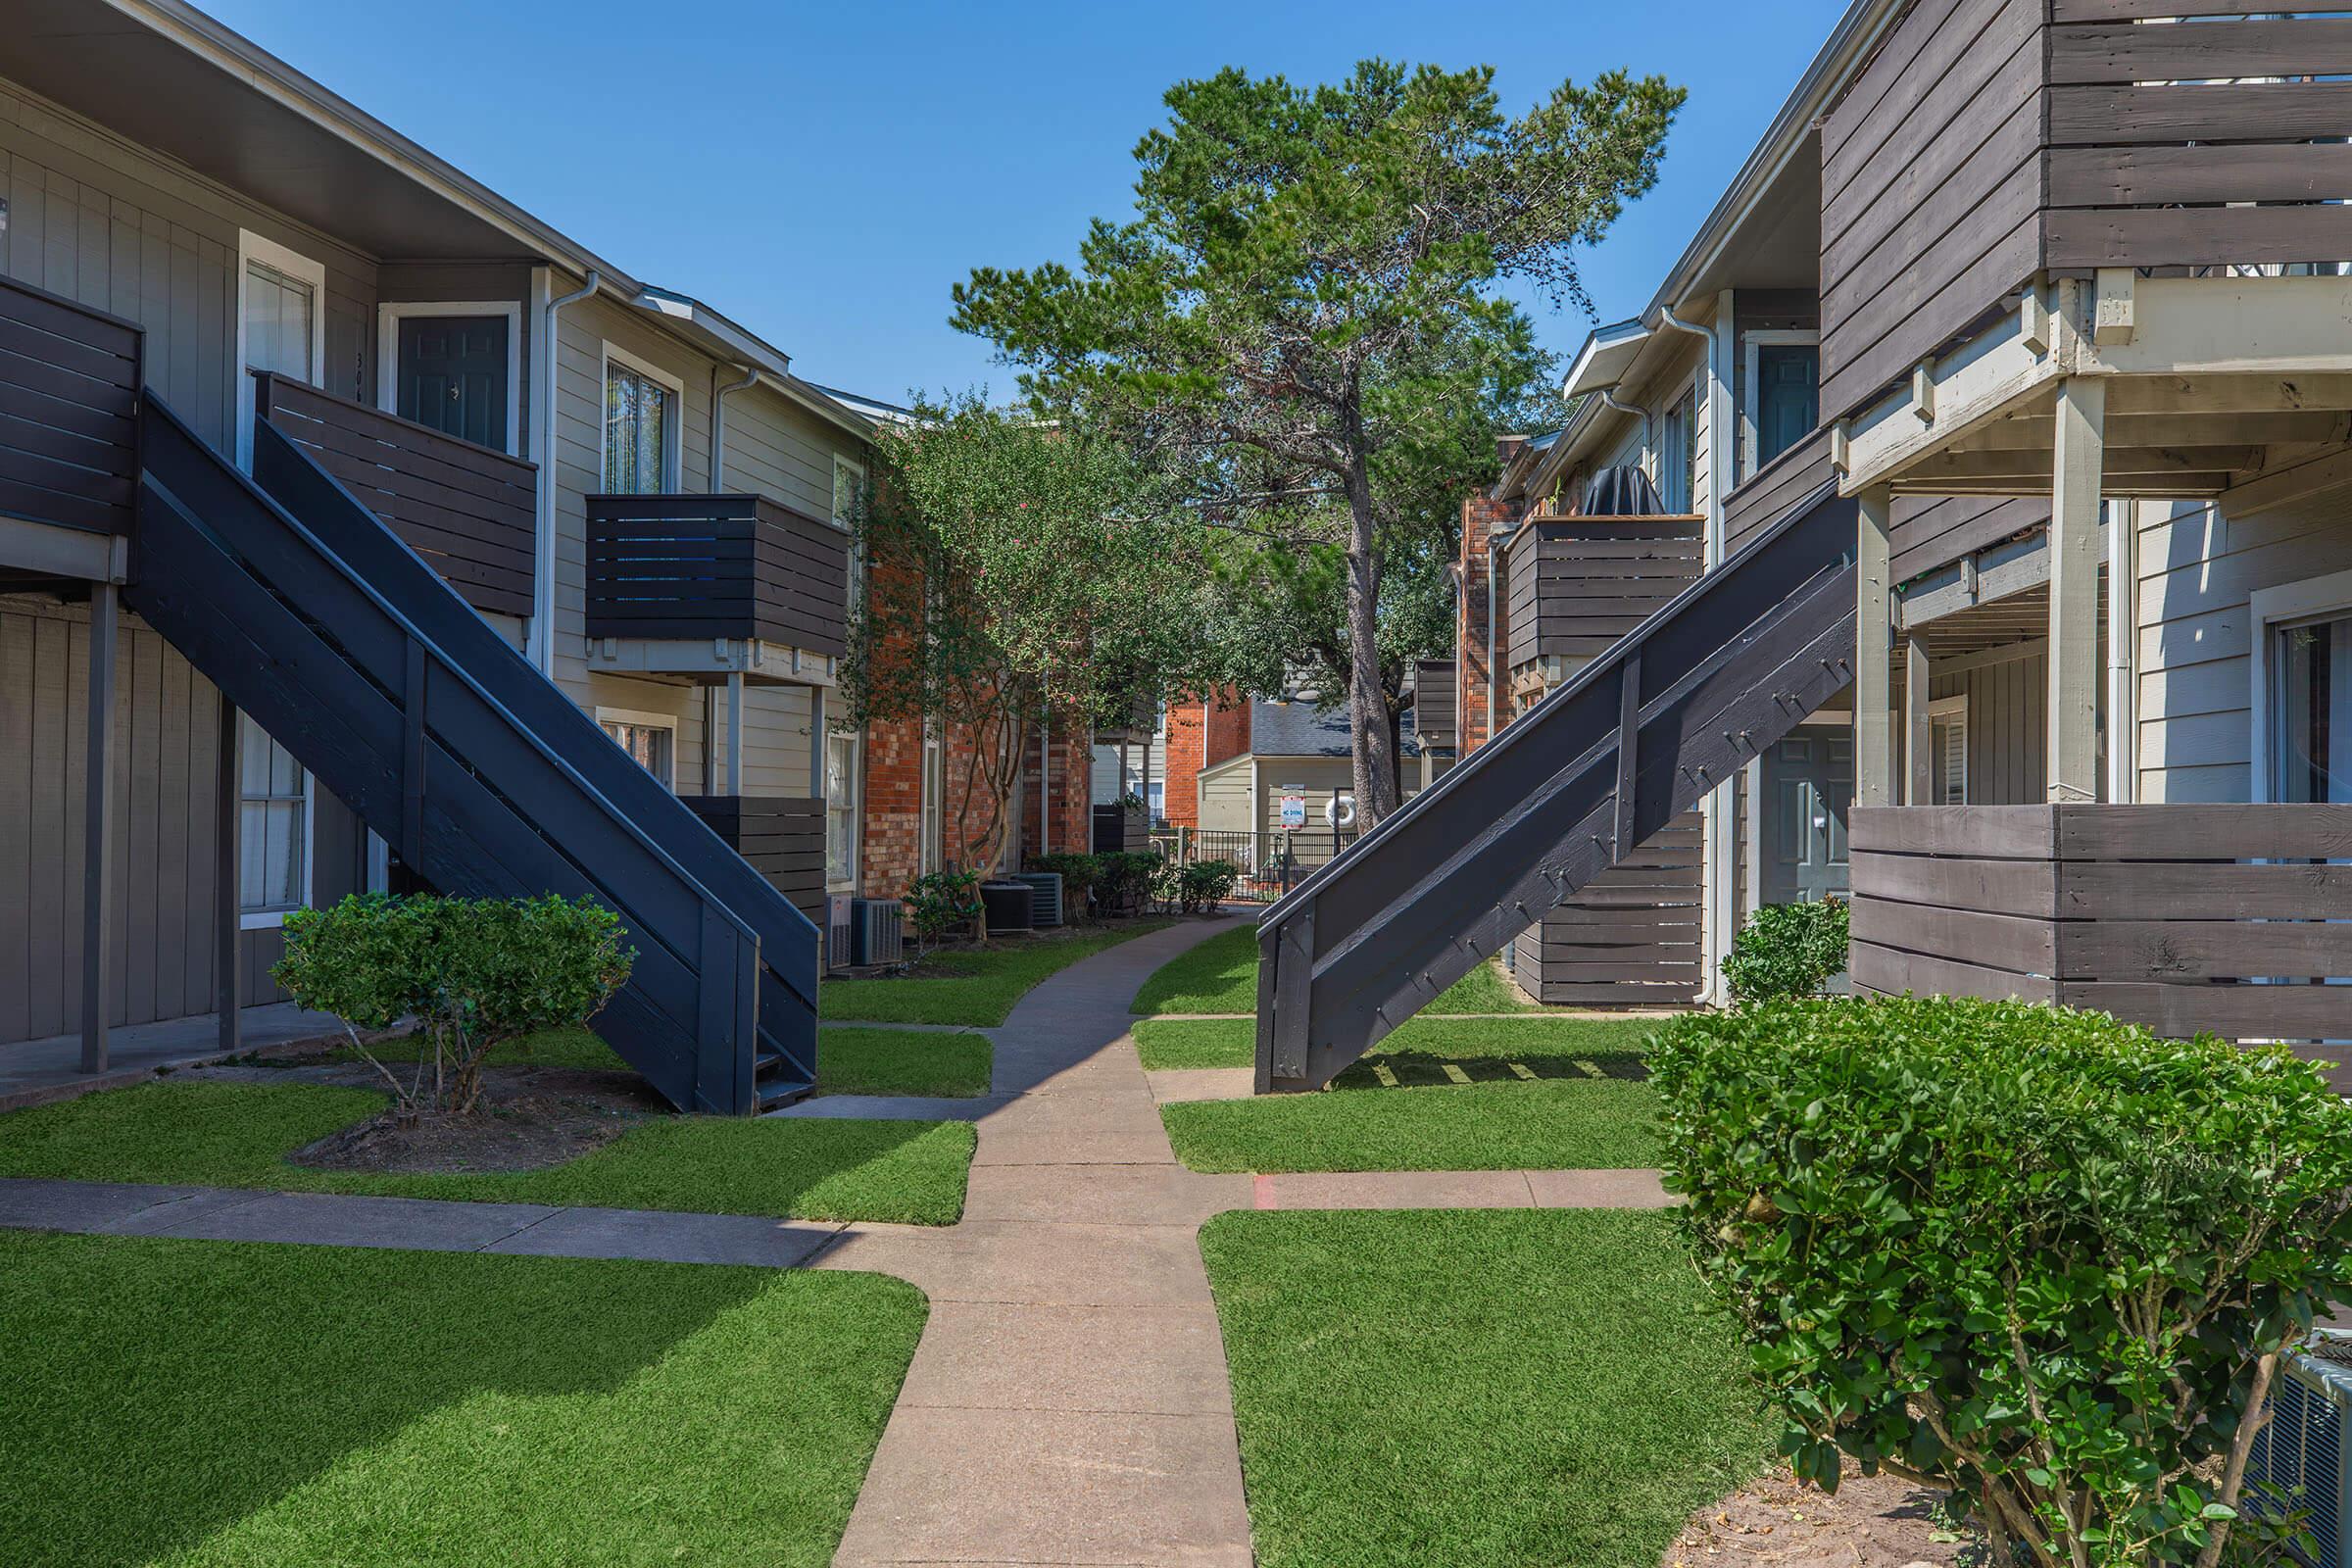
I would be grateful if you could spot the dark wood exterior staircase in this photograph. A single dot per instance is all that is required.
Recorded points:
(1668, 713)
(312, 615)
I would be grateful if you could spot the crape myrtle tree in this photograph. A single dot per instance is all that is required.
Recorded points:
(1306, 322)
(1017, 573)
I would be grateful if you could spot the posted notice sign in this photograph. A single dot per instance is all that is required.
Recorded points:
(1293, 811)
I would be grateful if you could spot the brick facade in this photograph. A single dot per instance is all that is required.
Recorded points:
(1482, 517)
(1202, 731)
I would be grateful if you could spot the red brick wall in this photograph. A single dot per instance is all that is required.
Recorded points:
(1482, 516)
(891, 830)
(1187, 735)
(1225, 728)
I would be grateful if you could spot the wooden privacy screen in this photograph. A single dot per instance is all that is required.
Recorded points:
(703, 567)
(69, 379)
(1989, 140)
(1578, 584)
(471, 512)
(784, 839)
(2186, 918)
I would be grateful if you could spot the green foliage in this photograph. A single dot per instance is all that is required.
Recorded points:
(1306, 322)
(2042, 1258)
(940, 902)
(1079, 873)
(1203, 885)
(1129, 880)
(1788, 949)
(475, 973)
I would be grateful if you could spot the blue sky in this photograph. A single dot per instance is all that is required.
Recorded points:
(823, 173)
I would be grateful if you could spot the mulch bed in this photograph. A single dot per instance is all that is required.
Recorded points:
(1779, 1521)
(528, 1118)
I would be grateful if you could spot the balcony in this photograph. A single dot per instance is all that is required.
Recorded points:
(471, 512)
(69, 381)
(784, 839)
(2020, 192)
(2186, 918)
(689, 573)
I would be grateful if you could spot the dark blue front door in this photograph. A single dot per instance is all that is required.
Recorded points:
(453, 375)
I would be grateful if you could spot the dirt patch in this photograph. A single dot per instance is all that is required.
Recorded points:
(1779, 1521)
(529, 1118)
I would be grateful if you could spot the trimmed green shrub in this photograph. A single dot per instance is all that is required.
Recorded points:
(940, 902)
(1788, 949)
(1203, 885)
(2036, 1255)
(1079, 874)
(1129, 880)
(475, 973)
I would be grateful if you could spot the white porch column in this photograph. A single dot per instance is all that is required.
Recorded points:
(1918, 774)
(2123, 652)
(2077, 465)
(1874, 621)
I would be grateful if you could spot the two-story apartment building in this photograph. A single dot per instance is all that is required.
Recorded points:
(2015, 300)
(222, 698)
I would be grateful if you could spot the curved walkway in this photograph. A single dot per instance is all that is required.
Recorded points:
(1068, 1403)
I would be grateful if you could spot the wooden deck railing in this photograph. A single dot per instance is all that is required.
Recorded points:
(70, 383)
(2186, 918)
(471, 512)
(1575, 585)
(692, 568)
(783, 837)
(1989, 140)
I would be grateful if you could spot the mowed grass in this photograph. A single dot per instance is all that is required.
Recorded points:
(901, 1061)
(1220, 975)
(1595, 1124)
(1464, 1389)
(1541, 1043)
(204, 1404)
(978, 987)
(218, 1133)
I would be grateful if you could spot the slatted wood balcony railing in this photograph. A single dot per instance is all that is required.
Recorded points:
(471, 512)
(2223, 919)
(1989, 140)
(783, 837)
(1575, 585)
(700, 567)
(70, 383)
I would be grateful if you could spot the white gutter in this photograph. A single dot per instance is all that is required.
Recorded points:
(542, 649)
(718, 425)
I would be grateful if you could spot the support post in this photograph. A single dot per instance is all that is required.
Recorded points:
(228, 822)
(1874, 616)
(2122, 654)
(1919, 769)
(98, 841)
(735, 733)
(2077, 465)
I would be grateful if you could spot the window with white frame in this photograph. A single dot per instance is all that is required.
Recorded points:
(274, 827)
(641, 427)
(651, 739)
(1947, 750)
(848, 493)
(1678, 453)
(2310, 709)
(841, 812)
(281, 321)
(931, 853)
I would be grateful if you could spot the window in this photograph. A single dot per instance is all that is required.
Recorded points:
(641, 427)
(1157, 801)
(1678, 453)
(1784, 394)
(1947, 750)
(841, 812)
(932, 851)
(1159, 720)
(849, 491)
(273, 874)
(652, 739)
(2311, 711)
(280, 327)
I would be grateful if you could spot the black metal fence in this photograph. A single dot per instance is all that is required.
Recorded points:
(1271, 862)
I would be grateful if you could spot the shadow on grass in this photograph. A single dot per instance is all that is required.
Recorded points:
(1414, 1070)
(214, 1403)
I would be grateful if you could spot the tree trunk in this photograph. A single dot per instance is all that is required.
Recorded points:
(1370, 744)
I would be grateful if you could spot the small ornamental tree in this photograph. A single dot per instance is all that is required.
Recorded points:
(2033, 1256)
(472, 973)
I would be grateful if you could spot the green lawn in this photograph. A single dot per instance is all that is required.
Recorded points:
(549, 1048)
(1415, 1051)
(976, 987)
(204, 1404)
(1458, 1389)
(901, 1061)
(219, 1134)
(1598, 1124)
(1220, 975)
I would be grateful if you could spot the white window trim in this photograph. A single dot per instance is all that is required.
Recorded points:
(855, 806)
(1752, 365)
(389, 316)
(2326, 594)
(251, 248)
(855, 466)
(1948, 709)
(673, 439)
(647, 719)
(273, 920)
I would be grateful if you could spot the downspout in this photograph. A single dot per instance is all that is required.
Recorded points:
(1720, 813)
(543, 566)
(718, 425)
(1610, 400)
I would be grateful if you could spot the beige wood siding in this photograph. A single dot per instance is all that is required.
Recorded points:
(1225, 798)
(2006, 727)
